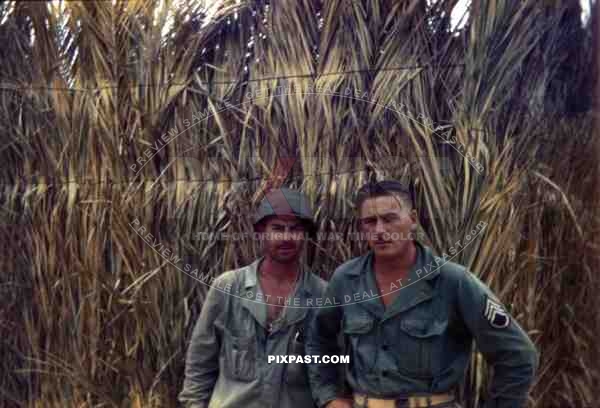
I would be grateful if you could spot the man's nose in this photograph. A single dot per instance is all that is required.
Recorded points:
(379, 227)
(288, 235)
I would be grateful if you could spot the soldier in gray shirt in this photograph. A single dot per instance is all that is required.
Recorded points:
(254, 312)
(410, 318)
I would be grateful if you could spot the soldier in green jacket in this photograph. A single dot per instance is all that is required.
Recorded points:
(409, 319)
(254, 312)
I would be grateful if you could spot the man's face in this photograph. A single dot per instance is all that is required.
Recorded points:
(283, 238)
(387, 223)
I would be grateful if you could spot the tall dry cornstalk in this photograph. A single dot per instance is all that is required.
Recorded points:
(490, 123)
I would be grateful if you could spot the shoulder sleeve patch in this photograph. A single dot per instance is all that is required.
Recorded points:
(495, 314)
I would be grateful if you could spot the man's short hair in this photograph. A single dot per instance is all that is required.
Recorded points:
(383, 188)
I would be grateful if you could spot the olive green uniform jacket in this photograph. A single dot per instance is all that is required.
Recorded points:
(420, 343)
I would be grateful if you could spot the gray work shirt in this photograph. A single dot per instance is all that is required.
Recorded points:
(421, 342)
(226, 364)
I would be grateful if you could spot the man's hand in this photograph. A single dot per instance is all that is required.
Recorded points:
(339, 403)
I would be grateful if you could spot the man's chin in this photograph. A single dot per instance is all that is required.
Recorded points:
(386, 251)
(285, 259)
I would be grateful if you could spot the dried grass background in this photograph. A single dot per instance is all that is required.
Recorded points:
(91, 316)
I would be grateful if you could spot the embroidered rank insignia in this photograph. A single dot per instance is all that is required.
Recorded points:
(496, 314)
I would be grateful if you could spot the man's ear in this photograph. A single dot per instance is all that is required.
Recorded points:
(414, 217)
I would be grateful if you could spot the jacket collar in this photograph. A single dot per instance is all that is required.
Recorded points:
(251, 277)
(251, 273)
(417, 287)
(253, 297)
(426, 265)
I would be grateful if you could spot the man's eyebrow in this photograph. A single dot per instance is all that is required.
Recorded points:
(383, 214)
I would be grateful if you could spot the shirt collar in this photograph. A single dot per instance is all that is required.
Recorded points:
(250, 274)
(415, 287)
(426, 266)
(251, 277)
(290, 315)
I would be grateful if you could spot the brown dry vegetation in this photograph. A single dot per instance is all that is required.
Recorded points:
(91, 316)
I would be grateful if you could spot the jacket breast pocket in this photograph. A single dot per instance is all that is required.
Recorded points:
(358, 332)
(240, 356)
(357, 325)
(419, 345)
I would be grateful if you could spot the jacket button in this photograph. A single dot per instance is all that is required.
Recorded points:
(385, 347)
(384, 373)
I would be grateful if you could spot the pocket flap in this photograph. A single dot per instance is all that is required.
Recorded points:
(355, 325)
(423, 328)
(238, 342)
